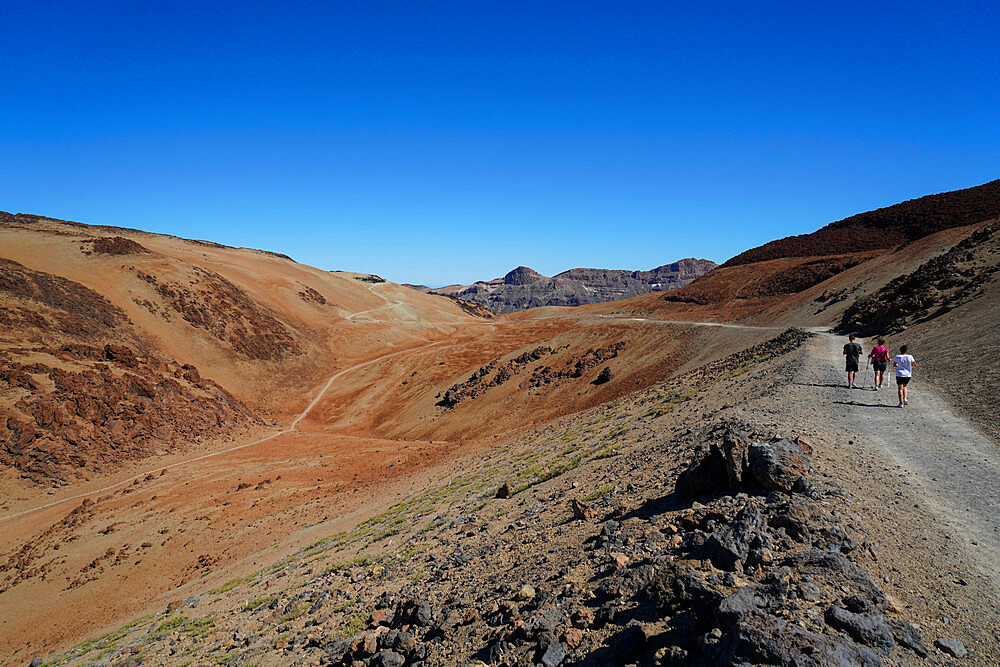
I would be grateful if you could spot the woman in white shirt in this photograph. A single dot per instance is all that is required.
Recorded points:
(904, 364)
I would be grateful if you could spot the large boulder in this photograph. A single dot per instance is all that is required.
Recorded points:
(778, 465)
(719, 466)
(760, 638)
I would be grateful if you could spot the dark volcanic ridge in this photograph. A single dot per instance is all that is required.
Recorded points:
(885, 227)
(524, 288)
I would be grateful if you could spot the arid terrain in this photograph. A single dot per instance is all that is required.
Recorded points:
(217, 455)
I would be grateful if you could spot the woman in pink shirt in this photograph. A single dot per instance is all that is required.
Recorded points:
(880, 361)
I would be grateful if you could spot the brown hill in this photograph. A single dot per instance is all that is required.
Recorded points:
(108, 342)
(885, 227)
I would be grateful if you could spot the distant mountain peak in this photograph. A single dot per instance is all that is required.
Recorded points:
(522, 275)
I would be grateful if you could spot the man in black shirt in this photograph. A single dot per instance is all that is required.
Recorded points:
(853, 352)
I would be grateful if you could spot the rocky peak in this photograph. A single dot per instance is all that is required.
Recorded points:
(522, 275)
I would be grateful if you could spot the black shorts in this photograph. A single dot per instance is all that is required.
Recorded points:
(852, 366)
(902, 381)
(880, 365)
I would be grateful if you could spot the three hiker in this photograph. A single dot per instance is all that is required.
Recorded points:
(904, 364)
(880, 360)
(853, 352)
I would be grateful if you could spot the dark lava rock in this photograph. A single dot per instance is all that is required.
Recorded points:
(674, 589)
(732, 546)
(778, 465)
(387, 659)
(449, 400)
(907, 636)
(951, 646)
(719, 467)
(868, 629)
(796, 518)
(545, 621)
(628, 582)
(423, 614)
(628, 642)
(604, 376)
(837, 571)
(553, 655)
(762, 638)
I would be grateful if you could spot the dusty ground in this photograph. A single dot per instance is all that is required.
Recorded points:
(921, 524)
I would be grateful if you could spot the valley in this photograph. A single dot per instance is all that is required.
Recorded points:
(216, 454)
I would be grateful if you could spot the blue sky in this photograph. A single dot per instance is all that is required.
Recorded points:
(449, 142)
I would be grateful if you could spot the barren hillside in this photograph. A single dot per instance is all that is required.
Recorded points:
(885, 227)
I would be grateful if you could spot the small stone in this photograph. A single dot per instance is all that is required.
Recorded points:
(582, 618)
(581, 510)
(907, 636)
(620, 559)
(951, 646)
(527, 592)
(573, 637)
(554, 655)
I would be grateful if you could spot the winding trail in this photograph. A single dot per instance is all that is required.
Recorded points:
(291, 428)
(724, 325)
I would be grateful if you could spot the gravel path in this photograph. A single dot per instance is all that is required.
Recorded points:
(953, 466)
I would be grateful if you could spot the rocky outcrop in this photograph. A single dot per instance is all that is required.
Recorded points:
(114, 245)
(80, 391)
(522, 275)
(542, 374)
(524, 288)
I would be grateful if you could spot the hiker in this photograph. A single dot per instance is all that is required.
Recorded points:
(853, 352)
(904, 364)
(880, 360)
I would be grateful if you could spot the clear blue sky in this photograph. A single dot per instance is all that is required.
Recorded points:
(448, 142)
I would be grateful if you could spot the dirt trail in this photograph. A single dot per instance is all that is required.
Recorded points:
(291, 428)
(953, 469)
(724, 325)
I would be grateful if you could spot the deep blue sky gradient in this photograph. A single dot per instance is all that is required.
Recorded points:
(448, 142)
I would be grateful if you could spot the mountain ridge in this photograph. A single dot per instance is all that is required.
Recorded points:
(523, 288)
(885, 227)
